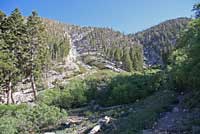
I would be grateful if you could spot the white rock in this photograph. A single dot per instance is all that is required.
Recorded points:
(49, 133)
(107, 119)
(95, 129)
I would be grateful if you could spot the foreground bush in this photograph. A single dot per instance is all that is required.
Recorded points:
(26, 120)
(8, 125)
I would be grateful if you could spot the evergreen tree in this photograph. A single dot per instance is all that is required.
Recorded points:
(118, 54)
(108, 53)
(139, 58)
(133, 57)
(127, 61)
(113, 50)
(36, 50)
(64, 48)
(12, 31)
(136, 55)
(7, 72)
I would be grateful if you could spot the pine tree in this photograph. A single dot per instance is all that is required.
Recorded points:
(118, 54)
(7, 72)
(127, 61)
(64, 48)
(113, 53)
(139, 58)
(136, 55)
(108, 53)
(133, 57)
(12, 29)
(36, 50)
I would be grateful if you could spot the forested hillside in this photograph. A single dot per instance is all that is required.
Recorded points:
(156, 44)
(104, 44)
(57, 40)
(113, 46)
(158, 41)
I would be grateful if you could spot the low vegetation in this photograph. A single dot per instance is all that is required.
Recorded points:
(106, 88)
(145, 113)
(24, 119)
(125, 88)
(70, 96)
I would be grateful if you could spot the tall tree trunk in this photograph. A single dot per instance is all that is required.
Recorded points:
(33, 86)
(12, 98)
(9, 92)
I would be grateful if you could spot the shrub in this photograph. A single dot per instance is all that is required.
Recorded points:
(38, 117)
(8, 125)
(107, 89)
(145, 112)
(73, 95)
(78, 92)
(126, 88)
(26, 119)
(10, 109)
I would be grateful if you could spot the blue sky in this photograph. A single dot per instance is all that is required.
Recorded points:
(127, 16)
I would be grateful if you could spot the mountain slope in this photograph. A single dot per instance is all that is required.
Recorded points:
(159, 40)
(101, 47)
(104, 47)
(112, 48)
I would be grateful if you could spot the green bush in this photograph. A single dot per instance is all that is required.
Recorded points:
(73, 95)
(8, 125)
(126, 88)
(145, 113)
(38, 117)
(27, 119)
(77, 90)
(185, 61)
(10, 109)
(106, 88)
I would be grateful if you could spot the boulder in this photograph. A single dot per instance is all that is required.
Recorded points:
(49, 133)
(95, 129)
